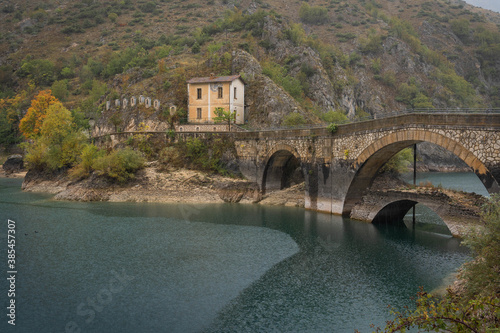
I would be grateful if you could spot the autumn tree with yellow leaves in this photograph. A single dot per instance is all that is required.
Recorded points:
(31, 123)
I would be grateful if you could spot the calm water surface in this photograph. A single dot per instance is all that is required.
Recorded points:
(137, 267)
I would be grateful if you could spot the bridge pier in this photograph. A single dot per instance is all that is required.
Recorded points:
(327, 183)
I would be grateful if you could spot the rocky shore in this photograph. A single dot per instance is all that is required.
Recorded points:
(149, 185)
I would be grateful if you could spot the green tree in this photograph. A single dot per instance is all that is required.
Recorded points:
(223, 116)
(59, 135)
(41, 71)
(10, 109)
(58, 144)
(60, 89)
(67, 73)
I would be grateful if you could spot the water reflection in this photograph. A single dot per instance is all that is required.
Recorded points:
(343, 278)
(215, 268)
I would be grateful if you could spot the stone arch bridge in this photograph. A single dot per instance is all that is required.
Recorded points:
(339, 168)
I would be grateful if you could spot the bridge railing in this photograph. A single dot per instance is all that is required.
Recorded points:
(387, 115)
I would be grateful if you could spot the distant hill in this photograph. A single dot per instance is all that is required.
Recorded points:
(314, 61)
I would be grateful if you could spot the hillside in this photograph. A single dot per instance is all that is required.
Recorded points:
(304, 62)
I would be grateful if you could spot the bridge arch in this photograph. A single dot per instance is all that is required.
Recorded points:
(283, 167)
(396, 209)
(372, 158)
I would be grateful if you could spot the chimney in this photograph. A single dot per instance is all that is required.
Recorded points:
(212, 76)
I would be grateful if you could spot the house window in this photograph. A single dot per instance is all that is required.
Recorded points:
(198, 91)
(235, 95)
(198, 113)
(219, 92)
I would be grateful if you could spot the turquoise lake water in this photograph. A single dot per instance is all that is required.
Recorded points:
(142, 267)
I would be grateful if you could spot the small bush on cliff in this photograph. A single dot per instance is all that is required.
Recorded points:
(313, 15)
(293, 120)
(334, 117)
(120, 165)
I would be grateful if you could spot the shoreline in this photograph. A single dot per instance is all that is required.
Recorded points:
(150, 185)
(20, 174)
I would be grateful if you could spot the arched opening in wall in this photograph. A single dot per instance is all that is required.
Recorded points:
(282, 171)
(437, 166)
(399, 215)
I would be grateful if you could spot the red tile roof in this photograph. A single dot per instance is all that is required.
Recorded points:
(214, 79)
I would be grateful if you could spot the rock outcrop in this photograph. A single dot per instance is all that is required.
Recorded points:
(267, 102)
(435, 158)
(14, 163)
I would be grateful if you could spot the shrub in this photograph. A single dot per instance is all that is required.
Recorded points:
(313, 15)
(113, 17)
(148, 7)
(334, 117)
(120, 165)
(295, 34)
(60, 89)
(86, 162)
(461, 28)
(376, 66)
(195, 153)
(293, 119)
(389, 78)
(482, 274)
(35, 155)
(67, 73)
(171, 157)
(279, 75)
(332, 128)
(41, 71)
(371, 45)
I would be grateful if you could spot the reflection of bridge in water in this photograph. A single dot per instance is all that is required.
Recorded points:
(339, 168)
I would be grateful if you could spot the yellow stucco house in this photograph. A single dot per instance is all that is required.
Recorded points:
(207, 93)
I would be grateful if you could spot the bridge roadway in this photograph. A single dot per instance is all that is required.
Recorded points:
(339, 168)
